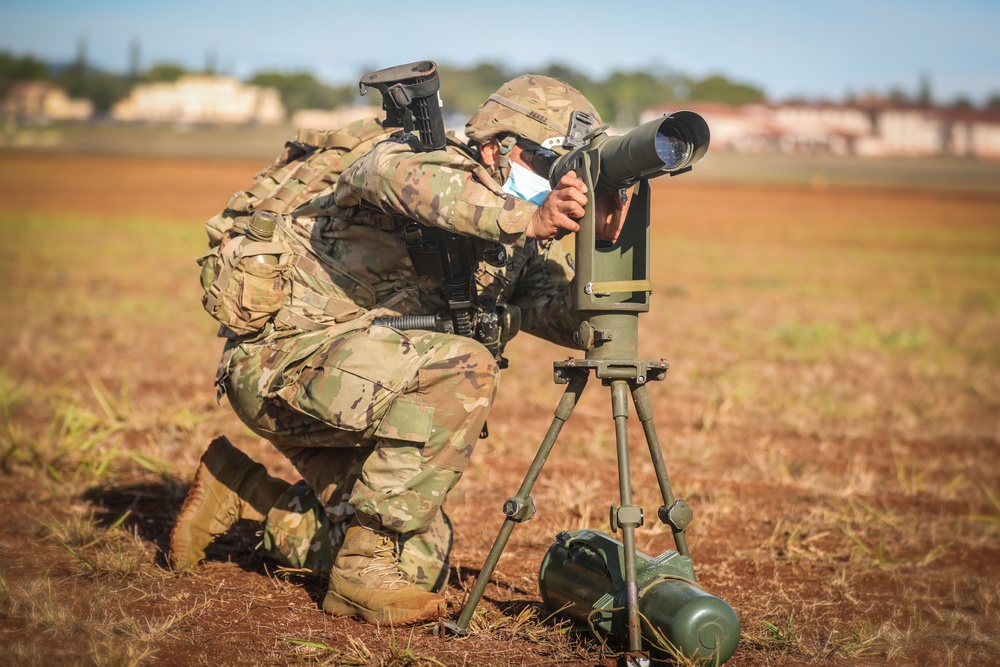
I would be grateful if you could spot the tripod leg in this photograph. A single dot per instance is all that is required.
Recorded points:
(520, 507)
(627, 516)
(675, 513)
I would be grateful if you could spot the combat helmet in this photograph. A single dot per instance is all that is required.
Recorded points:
(538, 108)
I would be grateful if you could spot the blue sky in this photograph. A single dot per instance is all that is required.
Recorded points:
(815, 49)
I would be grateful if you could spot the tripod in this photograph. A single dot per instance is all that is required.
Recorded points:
(609, 334)
(623, 377)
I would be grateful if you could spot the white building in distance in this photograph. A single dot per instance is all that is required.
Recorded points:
(332, 119)
(200, 99)
(42, 102)
(874, 130)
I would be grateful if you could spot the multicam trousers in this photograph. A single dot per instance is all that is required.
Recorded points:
(375, 420)
(299, 533)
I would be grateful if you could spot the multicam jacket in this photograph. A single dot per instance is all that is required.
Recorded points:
(356, 234)
(338, 253)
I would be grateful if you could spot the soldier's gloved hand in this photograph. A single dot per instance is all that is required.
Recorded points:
(560, 210)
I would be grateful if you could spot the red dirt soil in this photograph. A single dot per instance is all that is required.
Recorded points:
(756, 556)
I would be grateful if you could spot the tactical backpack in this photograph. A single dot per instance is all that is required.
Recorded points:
(308, 167)
(258, 250)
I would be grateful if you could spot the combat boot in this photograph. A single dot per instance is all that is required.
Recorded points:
(366, 580)
(228, 486)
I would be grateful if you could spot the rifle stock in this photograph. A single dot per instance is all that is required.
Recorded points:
(410, 100)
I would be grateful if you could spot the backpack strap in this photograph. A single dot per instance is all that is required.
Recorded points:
(330, 138)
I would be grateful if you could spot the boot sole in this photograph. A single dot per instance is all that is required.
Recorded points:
(338, 605)
(187, 548)
(187, 545)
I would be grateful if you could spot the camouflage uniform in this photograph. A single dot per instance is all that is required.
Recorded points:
(378, 420)
(300, 533)
(404, 406)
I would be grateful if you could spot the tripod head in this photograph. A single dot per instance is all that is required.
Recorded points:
(612, 280)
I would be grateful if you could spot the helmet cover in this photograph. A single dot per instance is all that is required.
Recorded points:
(532, 106)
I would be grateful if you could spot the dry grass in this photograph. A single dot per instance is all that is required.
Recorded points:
(831, 414)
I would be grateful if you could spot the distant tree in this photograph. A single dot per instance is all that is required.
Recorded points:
(595, 91)
(490, 74)
(924, 96)
(623, 95)
(898, 96)
(993, 102)
(717, 88)
(82, 80)
(75, 78)
(134, 60)
(20, 68)
(211, 66)
(163, 73)
(619, 98)
(566, 73)
(300, 90)
(463, 90)
(961, 102)
(105, 88)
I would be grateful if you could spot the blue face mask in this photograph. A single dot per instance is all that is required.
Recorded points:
(526, 184)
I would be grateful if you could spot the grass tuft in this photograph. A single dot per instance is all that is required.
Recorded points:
(862, 639)
(84, 629)
(358, 654)
(994, 501)
(114, 554)
(773, 637)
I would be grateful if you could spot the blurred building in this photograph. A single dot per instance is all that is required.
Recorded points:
(331, 119)
(42, 102)
(200, 99)
(843, 129)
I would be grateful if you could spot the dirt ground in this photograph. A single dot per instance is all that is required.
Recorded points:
(831, 415)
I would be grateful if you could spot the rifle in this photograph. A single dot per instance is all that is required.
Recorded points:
(411, 100)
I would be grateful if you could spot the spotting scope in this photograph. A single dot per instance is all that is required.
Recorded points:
(667, 145)
(589, 576)
(612, 279)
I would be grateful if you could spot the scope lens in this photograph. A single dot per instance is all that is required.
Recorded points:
(672, 150)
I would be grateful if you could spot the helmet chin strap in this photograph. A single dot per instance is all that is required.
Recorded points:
(503, 163)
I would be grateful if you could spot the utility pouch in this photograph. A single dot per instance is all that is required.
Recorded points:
(349, 380)
(245, 282)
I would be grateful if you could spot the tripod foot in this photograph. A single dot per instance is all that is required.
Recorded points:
(449, 629)
(634, 659)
